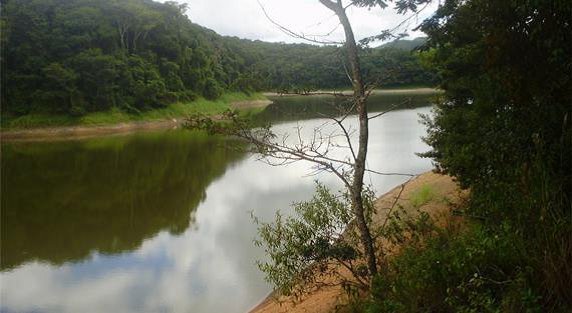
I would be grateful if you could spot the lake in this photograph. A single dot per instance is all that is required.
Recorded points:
(161, 221)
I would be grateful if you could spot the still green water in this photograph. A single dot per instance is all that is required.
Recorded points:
(160, 221)
(61, 201)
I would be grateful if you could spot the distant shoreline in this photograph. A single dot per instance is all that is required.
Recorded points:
(54, 133)
(421, 90)
(88, 131)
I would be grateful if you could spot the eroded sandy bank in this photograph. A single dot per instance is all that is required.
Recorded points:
(446, 195)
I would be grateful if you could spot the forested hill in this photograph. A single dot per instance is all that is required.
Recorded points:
(404, 44)
(78, 56)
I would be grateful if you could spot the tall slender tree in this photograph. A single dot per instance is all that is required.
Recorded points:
(359, 98)
(350, 170)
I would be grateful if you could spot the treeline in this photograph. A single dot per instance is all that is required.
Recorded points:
(78, 56)
(503, 130)
(279, 66)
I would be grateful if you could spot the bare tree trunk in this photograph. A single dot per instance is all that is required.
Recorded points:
(361, 105)
(122, 30)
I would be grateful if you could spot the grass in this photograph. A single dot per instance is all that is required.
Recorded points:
(422, 196)
(116, 116)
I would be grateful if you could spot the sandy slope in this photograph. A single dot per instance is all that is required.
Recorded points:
(446, 195)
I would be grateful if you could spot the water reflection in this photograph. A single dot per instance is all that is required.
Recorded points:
(290, 108)
(103, 225)
(207, 268)
(105, 195)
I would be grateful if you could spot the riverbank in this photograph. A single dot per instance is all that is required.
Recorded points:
(54, 127)
(396, 91)
(433, 193)
(32, 128)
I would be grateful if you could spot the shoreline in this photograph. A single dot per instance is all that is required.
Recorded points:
(54, 133)
(326, 299)
(347, 92)
(57, 133)
(85, 131)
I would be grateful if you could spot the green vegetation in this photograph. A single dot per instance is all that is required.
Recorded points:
(502, 128)
(451, 270)
(304, 244)
(115, 115)
(403, 44)
(422, 196)
(63, 60)
(81, 56)
(303, 67)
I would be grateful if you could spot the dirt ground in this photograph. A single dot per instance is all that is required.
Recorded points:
(444, 195)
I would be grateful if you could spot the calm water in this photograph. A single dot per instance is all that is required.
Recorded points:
(160, 222)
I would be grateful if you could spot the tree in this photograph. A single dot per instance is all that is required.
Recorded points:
(314, 247)
(350, 170)
(359, 98)
(190, 60)
(503, 126)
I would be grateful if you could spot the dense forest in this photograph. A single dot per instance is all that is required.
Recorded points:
(502, 129)
(78, 56)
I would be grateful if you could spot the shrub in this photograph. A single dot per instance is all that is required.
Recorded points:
(306, 248)
(475, 270)
(422, 196)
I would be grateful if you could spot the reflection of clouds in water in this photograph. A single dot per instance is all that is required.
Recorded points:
(210, 267)
(393, 141)
(42, 287)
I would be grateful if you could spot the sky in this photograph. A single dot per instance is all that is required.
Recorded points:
(246, 19)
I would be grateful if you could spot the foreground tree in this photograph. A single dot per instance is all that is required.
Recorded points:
(360, 102)
(503, 129)
(350, 170)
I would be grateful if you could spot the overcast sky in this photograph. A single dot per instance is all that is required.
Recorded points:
(245, 19)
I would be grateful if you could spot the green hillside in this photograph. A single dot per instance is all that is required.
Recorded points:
(74, 57)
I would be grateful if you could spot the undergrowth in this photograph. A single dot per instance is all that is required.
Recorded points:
(116, 116)
(470, 267)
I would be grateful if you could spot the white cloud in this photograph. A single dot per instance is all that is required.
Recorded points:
(245, 19)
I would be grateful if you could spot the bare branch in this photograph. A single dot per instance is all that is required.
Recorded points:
(330, 5)
(389, 173)
(326, 34)
(392, 108)
(347, 72)
(390, 33)
(349, 267)
(295, 34)
(346, 134)
(394, 204)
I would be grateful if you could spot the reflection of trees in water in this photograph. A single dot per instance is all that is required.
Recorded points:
(289, 108)
(61, 201)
